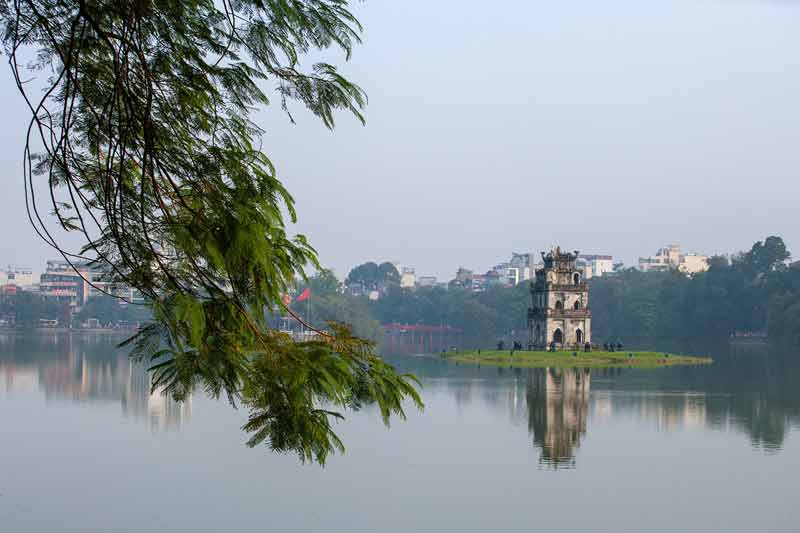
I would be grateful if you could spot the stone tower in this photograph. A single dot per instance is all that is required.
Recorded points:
(559, 314)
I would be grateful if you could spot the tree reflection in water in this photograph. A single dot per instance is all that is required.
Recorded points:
(86, 369)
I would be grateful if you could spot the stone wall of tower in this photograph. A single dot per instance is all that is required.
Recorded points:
(559, 314)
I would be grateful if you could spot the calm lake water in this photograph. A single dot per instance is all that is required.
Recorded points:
(84, 447)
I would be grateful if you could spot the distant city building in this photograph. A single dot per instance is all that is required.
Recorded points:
(463, 279)
(426, 281)
(693, 263)
(671, 258)
(520, 268)
(408, 280)
(501, 267)
(75, 283)
(408, 277)
(102, 286)
(526, 260)
(514, 275)
(666, 258)
(18, 276)
(64, 283)
(559, 314)
(596, 265)
(478, 282)
(493, 279)
(506, 274)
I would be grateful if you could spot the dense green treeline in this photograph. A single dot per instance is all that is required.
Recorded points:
(755, 291)
(26, 309)
(109, 310)
(482, 316)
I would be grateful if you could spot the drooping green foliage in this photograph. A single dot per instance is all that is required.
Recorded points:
(144, 136)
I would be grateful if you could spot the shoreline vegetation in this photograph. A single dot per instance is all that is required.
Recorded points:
(567, 359)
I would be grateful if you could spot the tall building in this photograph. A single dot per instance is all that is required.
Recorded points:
(62, 282)
(559, 315)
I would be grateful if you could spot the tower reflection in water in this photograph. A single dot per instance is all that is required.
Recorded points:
(86, 370)
(560, 408)
(558, 405)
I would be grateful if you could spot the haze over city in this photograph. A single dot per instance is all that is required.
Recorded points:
(614, 128)
(455, 344)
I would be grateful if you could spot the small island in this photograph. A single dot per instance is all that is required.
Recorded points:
(565, 359)
(560, 328)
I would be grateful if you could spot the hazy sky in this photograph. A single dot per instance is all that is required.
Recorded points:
(610, 127)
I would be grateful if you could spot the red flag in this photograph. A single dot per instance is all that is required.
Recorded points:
(303, 295)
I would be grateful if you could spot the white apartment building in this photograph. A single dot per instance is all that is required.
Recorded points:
(596, 264)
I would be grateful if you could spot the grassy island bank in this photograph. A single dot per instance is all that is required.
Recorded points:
(595, 359)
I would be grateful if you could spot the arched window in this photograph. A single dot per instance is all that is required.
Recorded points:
(576, 278)
(577, 305)
(558, 337)
(559, 305)
(578, 336)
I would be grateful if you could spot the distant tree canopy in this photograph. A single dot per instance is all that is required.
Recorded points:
(324, 284)
(766, 256)
(144, 135)
(372, 276)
